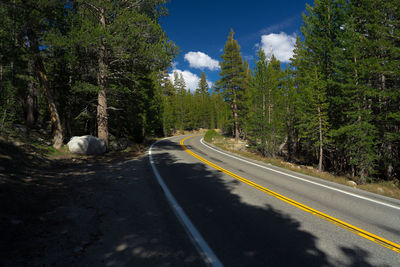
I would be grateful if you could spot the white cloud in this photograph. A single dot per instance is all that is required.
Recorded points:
(281, 45)
(201, 61)
(191, 79)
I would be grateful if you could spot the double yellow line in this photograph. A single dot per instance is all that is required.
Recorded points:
(379, 240)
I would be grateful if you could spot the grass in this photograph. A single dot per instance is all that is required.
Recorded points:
(386, 188)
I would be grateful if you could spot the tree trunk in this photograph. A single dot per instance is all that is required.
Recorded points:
(44, 83)
(235, 118)
(389, 169)
(321, 151)
(269, 106)
(362, 175)
(1, 77)
(102, 117)
(31, 97)
(281, 146)
(263, 134)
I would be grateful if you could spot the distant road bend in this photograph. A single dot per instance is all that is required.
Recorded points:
(240, 212)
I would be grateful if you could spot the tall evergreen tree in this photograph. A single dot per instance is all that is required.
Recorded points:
(258, 103)
(232, 81)
(127, 41)
(319, 29)
(203, 102)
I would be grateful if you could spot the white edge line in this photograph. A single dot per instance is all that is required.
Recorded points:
(201, 245)
(301, 179)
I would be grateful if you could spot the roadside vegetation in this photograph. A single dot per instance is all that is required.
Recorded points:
(335, 105)
(386, 188)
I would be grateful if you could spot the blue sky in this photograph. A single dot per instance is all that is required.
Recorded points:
(200, 29)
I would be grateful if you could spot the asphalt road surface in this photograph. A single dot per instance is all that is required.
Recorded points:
(254, 214)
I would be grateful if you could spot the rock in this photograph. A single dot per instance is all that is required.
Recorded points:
(351, 183)
(119, 145)
(87, 144)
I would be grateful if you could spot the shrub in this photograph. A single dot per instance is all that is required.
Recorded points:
(211, 135)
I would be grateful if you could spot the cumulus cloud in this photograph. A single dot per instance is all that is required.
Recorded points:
(191, 79)
(201, 61)
(281, 45)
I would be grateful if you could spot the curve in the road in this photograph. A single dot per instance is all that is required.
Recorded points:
(377, 239)
(304, 180)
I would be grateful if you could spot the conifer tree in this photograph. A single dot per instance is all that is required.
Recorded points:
(203, 102)
(232, 81)
(319, 29)
(127, 42)
(258, 103)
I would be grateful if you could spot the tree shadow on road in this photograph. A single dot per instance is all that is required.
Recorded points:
(239, 233)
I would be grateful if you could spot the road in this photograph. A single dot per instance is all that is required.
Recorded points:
(254, 214)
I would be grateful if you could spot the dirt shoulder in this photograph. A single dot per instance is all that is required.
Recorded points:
(105, 211)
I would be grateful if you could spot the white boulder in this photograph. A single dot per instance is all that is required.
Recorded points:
(87, 144)
(351, 183)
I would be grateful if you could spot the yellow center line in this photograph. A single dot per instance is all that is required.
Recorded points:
(377, 239)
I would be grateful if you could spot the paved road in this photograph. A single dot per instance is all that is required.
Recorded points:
(246, 226)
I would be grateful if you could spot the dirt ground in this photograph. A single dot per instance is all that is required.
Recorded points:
(94, 211)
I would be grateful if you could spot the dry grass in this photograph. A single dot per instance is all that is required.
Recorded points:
(389, 189)
(199, 131)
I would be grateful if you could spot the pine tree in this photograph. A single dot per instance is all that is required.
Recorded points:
(258, 103)
(290, 112)
(267, 105)
(275, 105)
(127, 42)
(232, 81)
(320, 28)
(180, 88)
(203, 102)
(364, 65)
(30, 22)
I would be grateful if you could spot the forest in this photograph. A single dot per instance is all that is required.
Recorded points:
(101, 68)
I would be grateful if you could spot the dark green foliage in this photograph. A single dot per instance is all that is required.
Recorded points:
(203, 103)
(233, 81)
(184, 110)
(346, 76)
(266, 129)
(69, 35)
(337, 105)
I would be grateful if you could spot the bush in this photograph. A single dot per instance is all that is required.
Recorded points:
(211, 135)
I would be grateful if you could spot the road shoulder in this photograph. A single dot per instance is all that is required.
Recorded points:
(92, 213)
